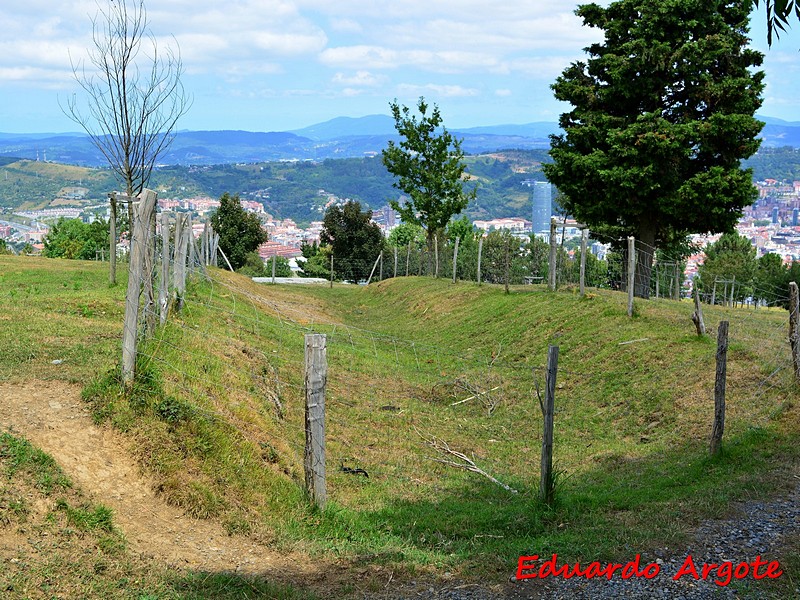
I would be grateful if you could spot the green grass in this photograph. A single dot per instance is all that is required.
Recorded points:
(217, 414)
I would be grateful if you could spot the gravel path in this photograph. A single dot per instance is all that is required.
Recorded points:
(759, 528)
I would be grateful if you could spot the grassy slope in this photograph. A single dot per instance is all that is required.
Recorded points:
(631, 425)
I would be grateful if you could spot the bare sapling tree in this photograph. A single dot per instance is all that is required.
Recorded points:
(133, 93)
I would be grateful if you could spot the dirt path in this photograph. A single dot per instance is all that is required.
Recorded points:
(52, 416)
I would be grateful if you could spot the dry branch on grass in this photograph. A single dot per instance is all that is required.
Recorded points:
(462, 462)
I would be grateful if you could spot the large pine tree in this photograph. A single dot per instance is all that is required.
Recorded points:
(662, 114)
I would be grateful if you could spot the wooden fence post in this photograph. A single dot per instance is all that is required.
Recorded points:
(455, 261)
(655, 268)
(714, 293)
(553, 255)
(149, 266)
(480, 251)
(394, 272)
(408, 258)
(677, 280)
(436, 255)
(631, 275)
(794, 327)
(331, 283)
(584, 240)
(506, 265)
(181, 247)
(697, 316)
(719, 388)
(316, 375)
(274, 267)
(733, 289)
(141, 223)
(112, 240)
(163, 284)
(547, 483)
(380, 269)
(375, 266)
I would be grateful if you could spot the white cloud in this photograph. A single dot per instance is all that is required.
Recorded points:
(444, 91)
(359, 79)
(504, 93)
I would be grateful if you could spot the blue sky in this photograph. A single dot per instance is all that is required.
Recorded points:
(277, 65)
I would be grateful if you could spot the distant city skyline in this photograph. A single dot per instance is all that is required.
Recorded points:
(279, 65)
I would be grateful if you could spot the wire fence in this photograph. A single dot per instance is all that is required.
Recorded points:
(398, 409)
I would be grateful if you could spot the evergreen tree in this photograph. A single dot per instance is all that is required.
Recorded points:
(663, 113)
(240, 232)
(353, 238)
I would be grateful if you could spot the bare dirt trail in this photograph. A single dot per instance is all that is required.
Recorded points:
(51, 416)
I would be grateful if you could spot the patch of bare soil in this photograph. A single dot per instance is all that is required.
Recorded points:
(52, 416)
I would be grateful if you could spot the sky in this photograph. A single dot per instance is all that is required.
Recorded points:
(279, 65)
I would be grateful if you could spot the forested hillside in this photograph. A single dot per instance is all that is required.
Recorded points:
(296, 190)
(300, 189)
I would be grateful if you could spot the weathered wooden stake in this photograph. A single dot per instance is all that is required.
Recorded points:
(380, 269)
(375, 266)
(733, 288)
(436, 255)
(149, 269)
(316, 375)
(553, 255)
(506, 265)
(394, 272)
(631, 275)
(455, 261)
(408, 258)
(274, 267)
(141, 222)
(714, 293)
(655, 268)
(480, 251)
(163, 284)
(719, 388)
(697, 315)
(112, 240)
(331, 283)
(181, 248)
(584, 240)
(547, 483)
(677, 280)
(794, 327)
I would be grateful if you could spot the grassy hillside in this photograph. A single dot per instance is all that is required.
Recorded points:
(217, 415)
(31, 185)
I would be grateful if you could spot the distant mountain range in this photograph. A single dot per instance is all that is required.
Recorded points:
(342, 137)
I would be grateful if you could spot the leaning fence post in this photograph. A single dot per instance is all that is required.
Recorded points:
(436, 255)
(274, 267)
(375, 266)
(719, 388)
(394, 272)
(316, 375)
(141, 222)
(697, 316)
(631, 277)
(794, 327)
(547, 483)
(408, 257)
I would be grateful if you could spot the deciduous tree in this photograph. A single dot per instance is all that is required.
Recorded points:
(428, 164)
(74, 239)
(133, 96)
(662, 114)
